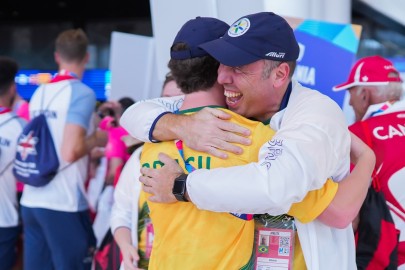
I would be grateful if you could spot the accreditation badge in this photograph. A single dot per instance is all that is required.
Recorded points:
(274, 242)
(150, 235)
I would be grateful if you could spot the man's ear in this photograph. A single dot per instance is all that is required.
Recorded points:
(281, 75)
(364, 99)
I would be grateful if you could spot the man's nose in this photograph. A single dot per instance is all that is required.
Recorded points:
(224, 74)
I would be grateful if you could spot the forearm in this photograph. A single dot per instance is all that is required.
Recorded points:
(75, 143)
(234, 190)
(122, 236)
(267, 186)
(170, 127)
(97, 139)
(113, 164)
(350, 194)
(139, 118)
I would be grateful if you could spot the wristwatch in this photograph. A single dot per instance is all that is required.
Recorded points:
(180, 188)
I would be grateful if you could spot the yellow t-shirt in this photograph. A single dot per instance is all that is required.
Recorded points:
(189, 238)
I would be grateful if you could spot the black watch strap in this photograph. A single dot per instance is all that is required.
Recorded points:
(180, 188)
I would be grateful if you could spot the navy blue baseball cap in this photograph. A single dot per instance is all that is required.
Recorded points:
(257, 36)
(195, 32)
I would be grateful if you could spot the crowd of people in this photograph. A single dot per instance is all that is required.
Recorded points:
(220, 172)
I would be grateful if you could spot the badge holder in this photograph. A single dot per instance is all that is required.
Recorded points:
(150, 235)
(274, 242)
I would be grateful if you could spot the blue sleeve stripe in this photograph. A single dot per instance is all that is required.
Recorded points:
(153, 127)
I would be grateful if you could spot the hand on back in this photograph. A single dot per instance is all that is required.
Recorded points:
(210, 131)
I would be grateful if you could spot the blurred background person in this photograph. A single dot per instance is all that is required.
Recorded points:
(116, 155)
(10, 129)
(21, 108)
(376, 90)
(57, 226)
(170, 88)
(115, 150)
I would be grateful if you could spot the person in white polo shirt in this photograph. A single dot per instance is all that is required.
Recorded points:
(57, 227)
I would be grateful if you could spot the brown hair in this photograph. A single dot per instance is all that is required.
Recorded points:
(72, 45)
(194, 74)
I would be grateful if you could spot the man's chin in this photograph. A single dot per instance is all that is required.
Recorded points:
(233, 106)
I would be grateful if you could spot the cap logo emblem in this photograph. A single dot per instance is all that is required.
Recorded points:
(364, 78)
(357, 73)
(276, 54)
(239, 27)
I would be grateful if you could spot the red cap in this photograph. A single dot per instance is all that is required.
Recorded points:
(371, 70)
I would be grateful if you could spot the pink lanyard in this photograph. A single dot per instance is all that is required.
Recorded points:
(383, 108)
(4, 109)
(179, 145)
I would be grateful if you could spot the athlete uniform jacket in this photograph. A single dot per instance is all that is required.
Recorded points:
(384, 131)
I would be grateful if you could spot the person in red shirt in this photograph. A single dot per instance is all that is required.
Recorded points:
(375, 88)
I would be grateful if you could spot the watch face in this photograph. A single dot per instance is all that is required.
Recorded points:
(179, 187)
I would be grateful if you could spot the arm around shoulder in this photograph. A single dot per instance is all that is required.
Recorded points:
(141, 117)
(352, 190)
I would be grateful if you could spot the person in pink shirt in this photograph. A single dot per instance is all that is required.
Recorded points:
(116, 156)
(115, 150)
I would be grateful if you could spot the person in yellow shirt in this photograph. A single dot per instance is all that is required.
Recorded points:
(130, 221)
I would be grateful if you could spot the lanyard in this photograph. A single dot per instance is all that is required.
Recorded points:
(383, 108)
(64, 74)
(4, 110)
(179, 145)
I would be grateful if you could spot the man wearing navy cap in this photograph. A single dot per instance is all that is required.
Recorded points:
(258, 57)
(375, 89)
